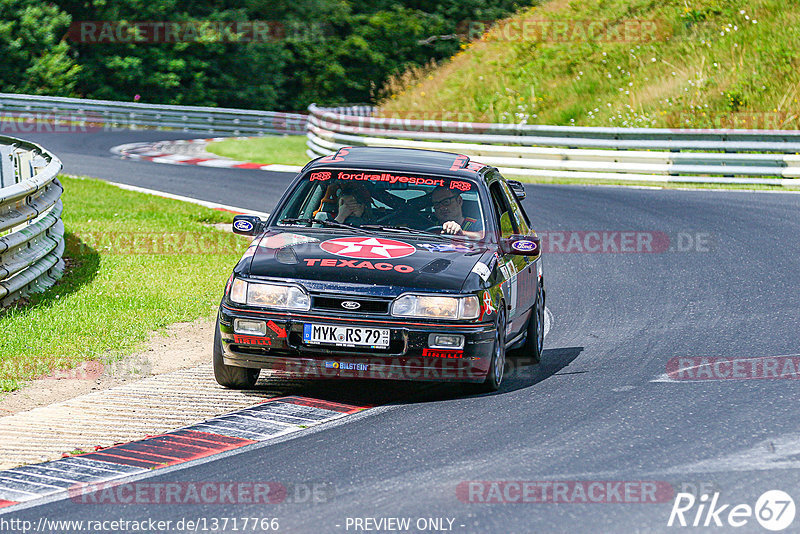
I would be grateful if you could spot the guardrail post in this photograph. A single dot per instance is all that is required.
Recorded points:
(7, 175)
(24, 168)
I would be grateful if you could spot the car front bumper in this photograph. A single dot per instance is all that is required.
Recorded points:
(408, 356)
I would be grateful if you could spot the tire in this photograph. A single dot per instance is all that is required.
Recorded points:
(534, 337)
(230, 376)
(497, 366)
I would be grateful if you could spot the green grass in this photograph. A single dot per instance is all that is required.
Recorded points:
(709, 63)
(285, 149)
(136, 263)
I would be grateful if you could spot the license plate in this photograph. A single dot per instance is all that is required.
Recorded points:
(346, 336)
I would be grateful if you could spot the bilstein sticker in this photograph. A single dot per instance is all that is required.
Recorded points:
(348, 366)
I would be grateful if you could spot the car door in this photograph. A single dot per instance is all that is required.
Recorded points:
(528, 277)
(514, 267)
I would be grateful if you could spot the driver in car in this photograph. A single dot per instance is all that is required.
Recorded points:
(447, 208)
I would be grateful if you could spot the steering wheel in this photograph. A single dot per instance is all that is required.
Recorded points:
(437, 228)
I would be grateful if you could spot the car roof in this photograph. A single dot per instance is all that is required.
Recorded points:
(411, 160)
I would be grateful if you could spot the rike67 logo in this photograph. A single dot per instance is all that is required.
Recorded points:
(774, 510)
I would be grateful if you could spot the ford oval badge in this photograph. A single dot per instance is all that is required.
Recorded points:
(351, 305)
(524, 245)
(243, 225)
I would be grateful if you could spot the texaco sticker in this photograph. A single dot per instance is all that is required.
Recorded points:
(368, 248)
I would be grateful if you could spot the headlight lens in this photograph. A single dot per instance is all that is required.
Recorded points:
(239, 291)
(436, 307)
(269, 295)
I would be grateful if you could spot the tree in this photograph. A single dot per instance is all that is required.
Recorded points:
(34, 58)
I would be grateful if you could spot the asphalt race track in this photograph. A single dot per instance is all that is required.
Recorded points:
(598, 408)
(88, 154)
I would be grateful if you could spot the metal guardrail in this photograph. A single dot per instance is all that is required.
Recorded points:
(644, 154)
(31, 230)
(97, 114)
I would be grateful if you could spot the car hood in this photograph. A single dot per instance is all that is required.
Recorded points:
(385, 259)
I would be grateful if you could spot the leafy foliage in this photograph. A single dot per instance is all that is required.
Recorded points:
(324, 51)
(34, 59)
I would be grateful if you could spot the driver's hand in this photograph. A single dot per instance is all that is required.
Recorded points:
(346, 209)
(452, 227)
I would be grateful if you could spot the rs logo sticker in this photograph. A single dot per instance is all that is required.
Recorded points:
(488, 308)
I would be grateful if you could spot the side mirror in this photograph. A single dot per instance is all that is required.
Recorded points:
(517, 188)
(247, 225)
(522, 245)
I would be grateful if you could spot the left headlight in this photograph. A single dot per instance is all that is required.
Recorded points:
(435, 307)
(269, 295)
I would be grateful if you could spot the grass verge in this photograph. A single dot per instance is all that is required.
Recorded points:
(673, 64)
(284, 149)
(136, 263)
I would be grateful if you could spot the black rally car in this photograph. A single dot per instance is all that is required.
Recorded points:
(385, 263)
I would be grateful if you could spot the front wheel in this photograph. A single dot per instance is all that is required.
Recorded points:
(534, 337)
(497, 366)
(230, 376)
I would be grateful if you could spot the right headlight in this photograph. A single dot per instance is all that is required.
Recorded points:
(436, 307)
(275, 296)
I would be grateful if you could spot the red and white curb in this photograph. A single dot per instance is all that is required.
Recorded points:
(192, 152)
(271, 419)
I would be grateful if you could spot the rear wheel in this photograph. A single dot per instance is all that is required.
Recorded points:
(231, 376)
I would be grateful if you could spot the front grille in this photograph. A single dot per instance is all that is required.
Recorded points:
(334, 303)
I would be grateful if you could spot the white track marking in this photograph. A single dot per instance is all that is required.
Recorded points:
(205, 203)
(779, 452)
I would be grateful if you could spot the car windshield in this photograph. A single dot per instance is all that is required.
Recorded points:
(384, 200)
